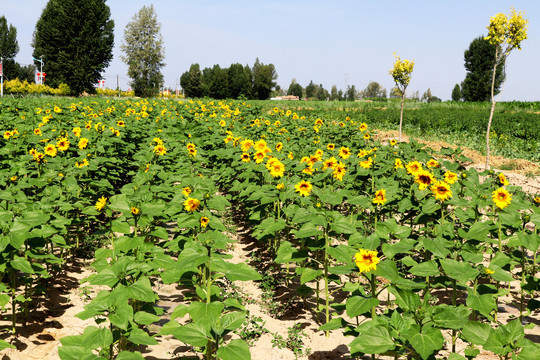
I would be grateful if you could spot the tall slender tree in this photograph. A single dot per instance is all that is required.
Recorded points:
(74, 38)
(144, 52)
(263, 79)
(401, 73)
(9, 47)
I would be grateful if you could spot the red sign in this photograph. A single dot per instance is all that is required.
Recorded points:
(1, 71)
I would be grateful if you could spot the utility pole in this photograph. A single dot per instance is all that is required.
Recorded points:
(117, 88)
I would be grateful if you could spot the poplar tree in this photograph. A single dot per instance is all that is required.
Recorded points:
(401, 73)
(74, 38)
(144, 52)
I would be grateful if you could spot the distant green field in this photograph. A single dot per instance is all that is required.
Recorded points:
(515, 128)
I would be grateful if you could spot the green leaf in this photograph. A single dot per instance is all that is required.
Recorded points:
(205, 314)
(142, 290)
(21, 264)
(428, 268)
(128, 355)
(460, 271)
(122, 316)
(452, 317)
(5, 345)
(484, 304)
(454, 356)
(120, 226)
(427, 343)
(233, 320)
(236, 349)
(192, 334)
(334, 324)
(357, 305)
(476, 332)
(119, 203)
(307, 230)
(496, 342)
(104, 277)
(145, 318)
(309, 274)
(241, 272)
(437, 246)
(376, 341)
(140, 337)
(478, 231)
(76, 353)
(342, 225)
(401, 247)
(218, 202)
(406, 299)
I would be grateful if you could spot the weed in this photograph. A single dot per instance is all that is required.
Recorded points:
(252, 329)
(293, 341)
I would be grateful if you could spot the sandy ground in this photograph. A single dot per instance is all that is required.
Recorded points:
(52, 316)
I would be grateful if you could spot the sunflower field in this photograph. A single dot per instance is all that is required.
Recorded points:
(402, 249)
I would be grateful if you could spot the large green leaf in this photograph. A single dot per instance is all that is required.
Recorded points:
(129, 355)
(427, 342)
(459, 271)
(140, 337)
(121, 316)
(357, 305)
(145, 318)
(205, 314)
(476, 332)
(427, 268)
(342, 225)
(142, 290)
(21, 264)
(446, 316)
(484, 304)
(309, 274)
(192, 334)
(76, 353)
(376, 341)
(237, 349)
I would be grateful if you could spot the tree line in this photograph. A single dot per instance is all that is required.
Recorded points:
(236, 81)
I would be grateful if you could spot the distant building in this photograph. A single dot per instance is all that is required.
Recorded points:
(285, 97)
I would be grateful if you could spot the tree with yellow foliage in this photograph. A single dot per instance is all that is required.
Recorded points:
(506, 32)
(401, 72)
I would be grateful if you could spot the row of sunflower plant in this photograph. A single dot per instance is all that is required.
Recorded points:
(122, 174)
(422, 246)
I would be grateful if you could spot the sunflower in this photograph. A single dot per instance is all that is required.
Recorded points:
(245, 157)
(135, 210)
(186, 191)
(83, 142)
(424, 179)
(413, 167)
(450, 177)
(100, 204)
(191, 204)
(362, 153)
(366, 260)
(339, 171)
(304, 187)
(259, 156)
(501, 197)
(276, 167)
(77, 131)
(160, 150)
(380, 197)
(319, 122)
(280, 186)
(344, 152)
(366, 164)
(50, 150)
(329, 163)
(7, 134)
(441, 190)
(366, 136)
(246, 144)
(279, 146)
(363, 127)
(393, 142)
(290, 156)
(432, 163)
(537, 200)
(204, 221)
(37, 131)
(502, 179)
(260, 145)
(330, 147)
(309, 170)
(121, 123)
(62, 144)
(398, 164)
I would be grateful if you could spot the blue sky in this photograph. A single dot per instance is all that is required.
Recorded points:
(332, 43)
